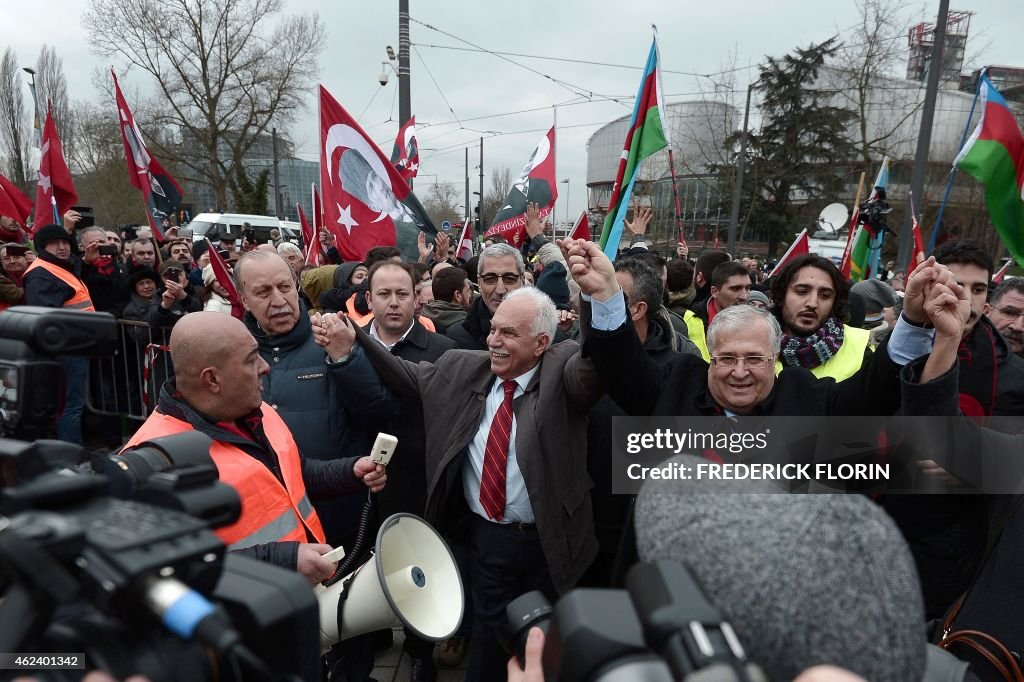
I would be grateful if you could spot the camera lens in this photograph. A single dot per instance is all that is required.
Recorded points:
(522, 613)
(130, 469)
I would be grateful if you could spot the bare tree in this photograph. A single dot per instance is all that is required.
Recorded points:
(14, 129)
(224, 73)
(99, 167)
(501, 183)
(866, 64)
(443, 203)
(52, 87)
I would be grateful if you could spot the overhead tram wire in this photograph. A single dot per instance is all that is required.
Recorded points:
(436, 85)
(574, 89)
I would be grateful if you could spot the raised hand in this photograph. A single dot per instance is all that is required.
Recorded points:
(682, 250)
(591, 269)
(442, 244)
(917, 283)
(423, 247)
(334, 333)
(534, 226)
(326, 239)
(948, 308)
(641, 217)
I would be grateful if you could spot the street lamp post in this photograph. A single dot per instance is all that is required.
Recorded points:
(38, 128)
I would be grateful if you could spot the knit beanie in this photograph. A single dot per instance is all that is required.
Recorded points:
(552, 282)
(49, 233)
(803, 579)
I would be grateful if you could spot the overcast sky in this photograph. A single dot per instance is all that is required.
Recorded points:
(696, 37)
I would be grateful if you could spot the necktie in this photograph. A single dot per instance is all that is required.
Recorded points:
(492, 480)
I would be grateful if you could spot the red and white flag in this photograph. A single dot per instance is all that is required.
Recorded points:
(581, 230)
(55, 184)
(225, 278)
(13, 202)
(799, 247)
(465, 250)
(535, 185)
(406, 154)
(314, 249)
(998, 277)
(918, 255)
(367, 203)
(160, 192)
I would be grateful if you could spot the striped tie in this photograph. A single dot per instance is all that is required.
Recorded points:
(492, 480)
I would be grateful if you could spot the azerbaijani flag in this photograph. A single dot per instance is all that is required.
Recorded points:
(994, 155)
(865, 254)
(647, 134)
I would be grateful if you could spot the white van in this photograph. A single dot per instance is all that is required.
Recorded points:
(213, 224)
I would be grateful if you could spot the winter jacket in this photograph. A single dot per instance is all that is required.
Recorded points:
(406, 490)
(157, 316)
(217, 304)
(444, 314)
(328, 416)
(43, 289)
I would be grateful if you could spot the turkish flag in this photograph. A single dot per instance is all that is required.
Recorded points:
(535, 185)
(366, 202)
(581, 230)
(160, 192)
(406, 154)
(13, 202)
(54, 177)
(799, 247)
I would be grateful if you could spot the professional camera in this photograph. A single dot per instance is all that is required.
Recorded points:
(874, 213)
(30, 339)
(110, 578)
(662, 628)
(139, 584)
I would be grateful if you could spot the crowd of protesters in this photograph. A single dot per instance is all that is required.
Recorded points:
(501, 374)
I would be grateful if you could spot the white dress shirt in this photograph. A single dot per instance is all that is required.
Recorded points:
(517, 499)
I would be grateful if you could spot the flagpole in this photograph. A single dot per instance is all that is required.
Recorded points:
(952, 171)
(554, 167)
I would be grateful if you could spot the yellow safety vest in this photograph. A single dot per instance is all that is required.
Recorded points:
(695, 331)
(847, 361)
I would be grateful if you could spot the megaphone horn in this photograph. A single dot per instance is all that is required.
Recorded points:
(410, 580)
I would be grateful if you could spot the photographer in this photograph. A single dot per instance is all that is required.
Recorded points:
(217, 390)
(173, 300)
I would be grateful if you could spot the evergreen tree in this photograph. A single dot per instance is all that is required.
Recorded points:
(250, 196)
(797, 158)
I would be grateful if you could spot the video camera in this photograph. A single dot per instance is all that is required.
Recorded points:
(660, 629)
(111, 565)
(874, 213)
(139, 584)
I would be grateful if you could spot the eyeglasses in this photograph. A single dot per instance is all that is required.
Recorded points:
(1011, 312)
(749, 361)
(508, 278)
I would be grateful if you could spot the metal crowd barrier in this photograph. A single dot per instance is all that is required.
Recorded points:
(128, 383)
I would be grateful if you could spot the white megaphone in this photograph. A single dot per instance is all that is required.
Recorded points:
(411, 580)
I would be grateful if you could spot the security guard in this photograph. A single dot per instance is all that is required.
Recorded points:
(217, 390)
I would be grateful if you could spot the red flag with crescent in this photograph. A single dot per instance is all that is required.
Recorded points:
(366, 202)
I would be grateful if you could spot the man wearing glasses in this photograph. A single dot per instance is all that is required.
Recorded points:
(499, 271)
(743, 342)
(1006, 312)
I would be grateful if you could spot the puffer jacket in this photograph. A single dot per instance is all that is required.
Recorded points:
(328, 417)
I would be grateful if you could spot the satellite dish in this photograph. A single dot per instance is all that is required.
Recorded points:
(833, 217)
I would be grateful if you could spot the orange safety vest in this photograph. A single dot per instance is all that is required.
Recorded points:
(271, 512)
(80, 300)
(362, 320)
